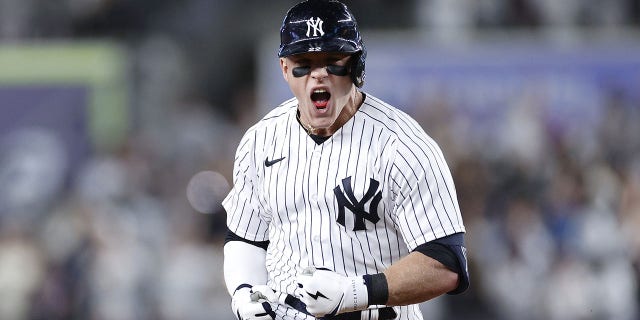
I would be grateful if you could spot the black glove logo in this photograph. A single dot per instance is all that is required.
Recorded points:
(317, 295)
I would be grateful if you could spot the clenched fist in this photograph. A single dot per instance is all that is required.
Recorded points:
(328, 293)
(248, 305)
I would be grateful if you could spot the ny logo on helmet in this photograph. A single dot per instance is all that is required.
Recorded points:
(316, 25)
(346, 199)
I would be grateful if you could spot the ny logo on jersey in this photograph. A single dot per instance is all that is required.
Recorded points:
(346, 199)
(316, 25)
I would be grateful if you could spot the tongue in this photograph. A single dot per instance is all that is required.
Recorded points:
(321, 104)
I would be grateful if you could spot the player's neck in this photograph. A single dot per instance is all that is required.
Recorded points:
(345, 114)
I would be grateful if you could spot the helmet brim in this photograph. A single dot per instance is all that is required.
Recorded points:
(318, 45)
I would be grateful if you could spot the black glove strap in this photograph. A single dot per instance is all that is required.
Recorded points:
(377, 288)
(244, 285)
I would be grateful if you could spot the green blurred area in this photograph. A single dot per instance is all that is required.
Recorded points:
(100, 66)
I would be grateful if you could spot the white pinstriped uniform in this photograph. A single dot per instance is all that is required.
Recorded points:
(293, 204)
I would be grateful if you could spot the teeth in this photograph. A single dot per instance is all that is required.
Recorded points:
(319, 91)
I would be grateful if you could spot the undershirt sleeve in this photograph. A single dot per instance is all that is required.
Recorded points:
(451, 252)
(244, 265)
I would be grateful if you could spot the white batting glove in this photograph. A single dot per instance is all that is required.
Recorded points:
(327, 293)
(252, 303)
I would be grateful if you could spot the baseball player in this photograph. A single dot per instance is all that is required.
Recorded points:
(342, 206)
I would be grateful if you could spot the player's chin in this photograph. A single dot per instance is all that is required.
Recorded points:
(321, 120)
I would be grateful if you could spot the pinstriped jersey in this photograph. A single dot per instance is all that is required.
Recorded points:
(356, 203)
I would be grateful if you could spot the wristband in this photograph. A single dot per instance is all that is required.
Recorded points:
(377, 288)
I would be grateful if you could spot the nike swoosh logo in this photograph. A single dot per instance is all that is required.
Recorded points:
(269, 163)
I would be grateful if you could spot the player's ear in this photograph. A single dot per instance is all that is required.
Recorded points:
(285, 68)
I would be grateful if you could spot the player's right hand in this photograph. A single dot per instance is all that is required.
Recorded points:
(247, 304)
(327, 293)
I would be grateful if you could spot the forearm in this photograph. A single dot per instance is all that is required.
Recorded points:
(243, 263)
(413, 279)
(417, 278)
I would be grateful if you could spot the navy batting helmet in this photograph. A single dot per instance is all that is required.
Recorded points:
(323, 26)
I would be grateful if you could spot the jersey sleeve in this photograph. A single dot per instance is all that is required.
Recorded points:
(426, 205)
(451, 252)
(242, 203)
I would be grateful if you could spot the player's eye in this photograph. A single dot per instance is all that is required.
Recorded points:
(331, 69)
(300, 71)
(337, 70)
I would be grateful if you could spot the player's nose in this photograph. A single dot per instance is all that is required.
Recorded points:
(319, 72)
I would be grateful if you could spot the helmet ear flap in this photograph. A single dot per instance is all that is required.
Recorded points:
(357, 67)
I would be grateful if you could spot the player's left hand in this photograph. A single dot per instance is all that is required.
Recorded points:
(327, 293)
(252, 303)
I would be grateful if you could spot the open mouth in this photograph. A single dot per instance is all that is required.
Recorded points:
(320, 98)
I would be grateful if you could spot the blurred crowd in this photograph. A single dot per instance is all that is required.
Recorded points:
(552, 215)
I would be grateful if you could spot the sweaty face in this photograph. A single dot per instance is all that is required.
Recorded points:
(321, 83)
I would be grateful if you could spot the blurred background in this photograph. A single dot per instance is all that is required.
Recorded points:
(110, 110)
